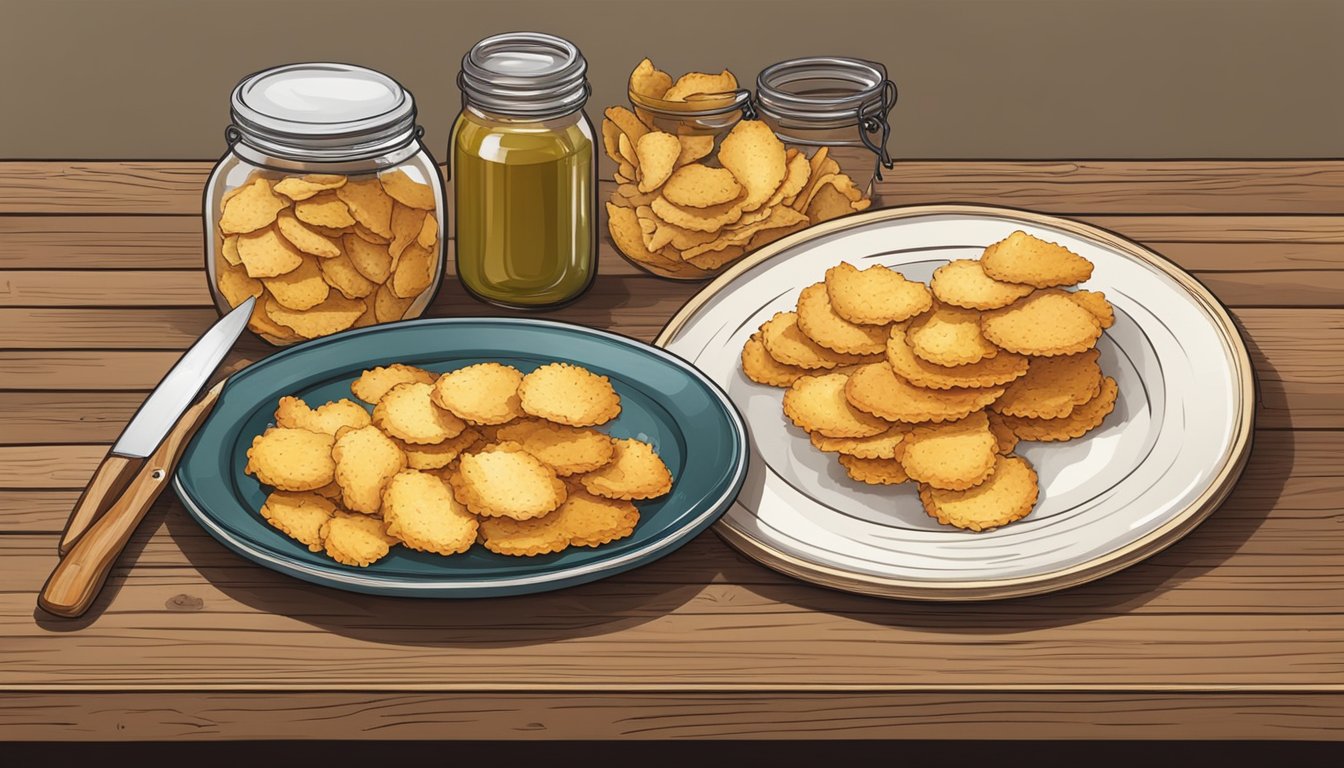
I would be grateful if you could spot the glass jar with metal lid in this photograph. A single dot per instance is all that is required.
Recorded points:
(326, 206)
(834, 109)
(524, 172)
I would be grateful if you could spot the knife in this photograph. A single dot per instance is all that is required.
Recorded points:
(153, 420)
(136, 470)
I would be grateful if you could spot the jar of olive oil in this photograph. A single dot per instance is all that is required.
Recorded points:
(524, 172)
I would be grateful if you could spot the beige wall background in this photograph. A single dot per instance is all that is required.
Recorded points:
(978, 78)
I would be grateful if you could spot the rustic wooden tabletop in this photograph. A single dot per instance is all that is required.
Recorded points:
(1235, 632)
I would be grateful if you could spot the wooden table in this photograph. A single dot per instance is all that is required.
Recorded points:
(1237, 631)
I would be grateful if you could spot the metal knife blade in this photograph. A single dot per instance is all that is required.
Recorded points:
(175, 393)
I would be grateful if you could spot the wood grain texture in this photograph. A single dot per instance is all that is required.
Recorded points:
(735, 715)
(1124, 186)
(174, 242)
(1233, 632)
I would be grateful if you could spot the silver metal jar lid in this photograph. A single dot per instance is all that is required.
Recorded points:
(322, 111)
(525, 74)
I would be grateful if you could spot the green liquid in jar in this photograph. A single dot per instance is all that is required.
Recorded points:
(525, 209)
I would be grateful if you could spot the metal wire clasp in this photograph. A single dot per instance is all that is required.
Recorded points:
(873, 119)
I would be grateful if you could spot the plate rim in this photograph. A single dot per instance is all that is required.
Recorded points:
(560, 579)
(1175, 528)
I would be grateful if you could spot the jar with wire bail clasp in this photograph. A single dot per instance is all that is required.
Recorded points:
(327, 206)
(835, 110)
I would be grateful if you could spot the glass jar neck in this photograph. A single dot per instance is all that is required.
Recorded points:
(285, 161)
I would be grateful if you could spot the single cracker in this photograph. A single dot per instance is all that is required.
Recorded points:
(485, 393)
(324, 209)
(1094, 302)
(1021, 258)
(883, 445)
(567, 450)
(414, 271)
(525, 538)
(299, 516)
(366, 460)
(1042, 325)
(335, 313)
(294, 413)
(876, 389)
(818, 404)
(874, 471)
(421, 512)
(700, 186)
(375, 382)
(569, 394)
(818, 320)
(356, 539)
(952, 456)
(298, 188)
(370, 206)
(949, 336)
(1052, 387)
(787, 344)
(503, 480)
(990, 372)
(407, 412)
(340, 273)
(406, 226)
(1003, 434)
(291, 459)
(304, 238)
(583, 520)
(1009, 494)
(876, 295)
(438, 455)
(761, 368)
(404, 190)
(371, 260)
(591, 521)
(265, 253)
(250, 208)
(389, 307)
(634, 472)
(1080, 421)
(963, 283)
(300, 288)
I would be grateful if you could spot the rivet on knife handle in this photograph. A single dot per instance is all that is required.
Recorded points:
(79, 576)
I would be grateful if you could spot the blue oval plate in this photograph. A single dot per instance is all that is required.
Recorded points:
(664, 401)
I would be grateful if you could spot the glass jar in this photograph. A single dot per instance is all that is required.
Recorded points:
(835, 110)
(326, 206)
(700, 124)
(524, 172)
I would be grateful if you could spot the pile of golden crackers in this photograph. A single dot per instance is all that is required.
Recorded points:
(937, 383)
(684, 210)
(483, 453)
(324, 252)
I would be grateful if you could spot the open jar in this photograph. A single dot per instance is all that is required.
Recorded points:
(834, 105)
(327, 207)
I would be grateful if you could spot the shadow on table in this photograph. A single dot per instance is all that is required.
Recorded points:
(1218, 538)
(154, 519)
(588, 610)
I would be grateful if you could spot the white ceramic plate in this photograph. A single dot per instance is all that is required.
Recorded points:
(1160, 463)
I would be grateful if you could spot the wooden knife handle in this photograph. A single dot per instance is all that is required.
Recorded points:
(79, 576)
(109, 481)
